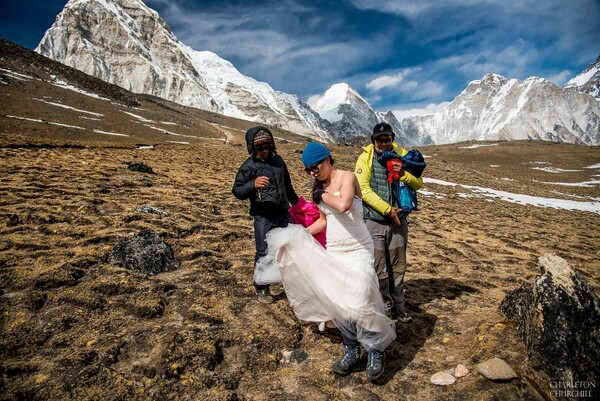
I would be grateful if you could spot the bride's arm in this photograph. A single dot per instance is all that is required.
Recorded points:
(319, 224)
(343, 202)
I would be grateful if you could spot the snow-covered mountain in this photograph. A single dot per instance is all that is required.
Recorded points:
(126, 43)
(353, 118)
(497, 108)
(349, 113)
(588, 81)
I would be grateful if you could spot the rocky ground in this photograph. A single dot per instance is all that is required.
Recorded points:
(74, 326)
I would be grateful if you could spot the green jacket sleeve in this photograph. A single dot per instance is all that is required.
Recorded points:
(362, 170)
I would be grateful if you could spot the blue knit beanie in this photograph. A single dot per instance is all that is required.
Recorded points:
(314, 153)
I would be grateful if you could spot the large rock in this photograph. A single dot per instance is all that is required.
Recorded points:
(145, 253)
(496, 369)
(559, 320)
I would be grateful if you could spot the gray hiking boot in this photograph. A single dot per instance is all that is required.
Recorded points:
(402, 315)
(374, 364)
(264, 296)
(346, 365)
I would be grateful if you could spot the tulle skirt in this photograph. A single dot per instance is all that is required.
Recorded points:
(321, 287)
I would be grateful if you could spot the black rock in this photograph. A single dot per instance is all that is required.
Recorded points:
(144, 253)
(141, 167)
(559, 321)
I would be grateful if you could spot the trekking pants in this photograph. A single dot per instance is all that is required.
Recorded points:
(262, 225)
(390, 243)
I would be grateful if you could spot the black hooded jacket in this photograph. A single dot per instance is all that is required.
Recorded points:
(276, 197)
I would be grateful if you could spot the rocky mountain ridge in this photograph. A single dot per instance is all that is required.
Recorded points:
(127, 43)
(497, 108)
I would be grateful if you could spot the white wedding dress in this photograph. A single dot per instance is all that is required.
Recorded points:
(338, 284)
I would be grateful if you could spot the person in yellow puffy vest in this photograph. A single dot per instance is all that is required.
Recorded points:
(384, 218)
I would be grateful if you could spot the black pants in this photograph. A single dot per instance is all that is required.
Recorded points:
(262, 225)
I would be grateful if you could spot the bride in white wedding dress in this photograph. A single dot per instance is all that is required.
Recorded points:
(339, 284)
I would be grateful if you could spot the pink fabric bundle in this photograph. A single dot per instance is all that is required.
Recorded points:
(305, 213)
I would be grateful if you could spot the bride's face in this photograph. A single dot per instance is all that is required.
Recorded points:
(322, 170)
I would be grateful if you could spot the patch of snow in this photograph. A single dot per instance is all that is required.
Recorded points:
(475, 146)
(64, 85)
(164, 131)
(143, 119)
(593, 207)
(16, 75)
(585, 184)
(431, 193)
(553, 170)
(66, 125)
(594, 166)
(64, 106)
(108, 133)
(35, 120)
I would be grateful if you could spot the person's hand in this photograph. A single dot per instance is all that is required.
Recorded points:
(318, 196)
(261, 182)
(397, 167)
(394, 215)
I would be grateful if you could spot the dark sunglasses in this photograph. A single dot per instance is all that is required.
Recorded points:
(383, 140)
(313, 168)
(261, 148)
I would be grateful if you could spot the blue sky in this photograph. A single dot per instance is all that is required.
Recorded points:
(399, 55)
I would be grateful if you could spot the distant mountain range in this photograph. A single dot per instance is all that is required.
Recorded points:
(126, 43)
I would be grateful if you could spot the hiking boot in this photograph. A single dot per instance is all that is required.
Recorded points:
(403, 316)
(264, 296)
(346, 365)
(374, 364)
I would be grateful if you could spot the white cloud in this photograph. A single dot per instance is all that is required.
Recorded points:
(561, 78)
(387, 81)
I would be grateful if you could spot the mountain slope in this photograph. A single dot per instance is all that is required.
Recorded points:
(588, 81)
(44, 101)
(127, 43)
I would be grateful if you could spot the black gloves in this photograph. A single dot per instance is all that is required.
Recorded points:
(318, 196)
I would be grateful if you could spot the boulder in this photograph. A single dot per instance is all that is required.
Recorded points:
(141, 167)
(145, 253)
(496, 369)
(558, 318)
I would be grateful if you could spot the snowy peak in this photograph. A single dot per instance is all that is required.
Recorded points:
(588, 81)
(352, 117)
(328, 105)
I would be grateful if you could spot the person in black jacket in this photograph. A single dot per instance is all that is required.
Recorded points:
(264, 179)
